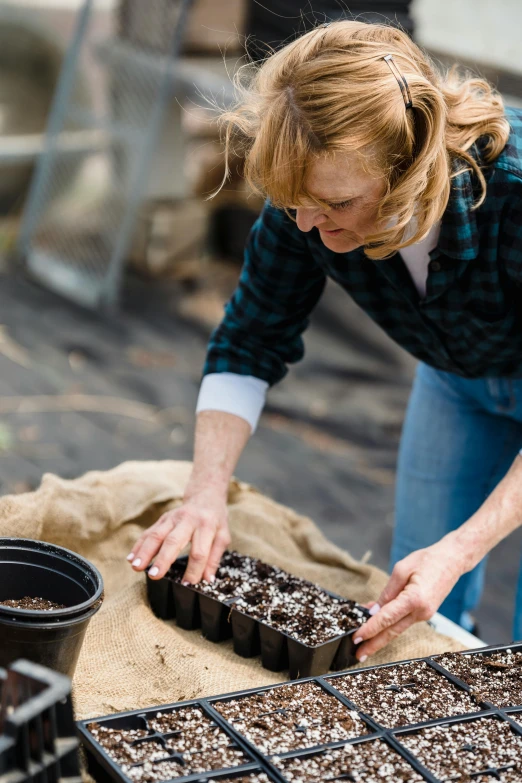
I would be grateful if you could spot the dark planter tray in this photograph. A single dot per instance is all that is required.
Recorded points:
(225, 777)
(332, 679)
(38, 740)
(389, 742)
(483, 651)
(396, 735)
(219, 620)
(370, 727)
(105, 770)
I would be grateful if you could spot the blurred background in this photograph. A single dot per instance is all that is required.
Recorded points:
(114, 265)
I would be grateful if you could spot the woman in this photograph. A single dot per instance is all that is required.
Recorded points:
(405, 187)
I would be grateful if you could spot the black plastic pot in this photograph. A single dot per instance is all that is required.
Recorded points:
(219, 620)
(50, 638)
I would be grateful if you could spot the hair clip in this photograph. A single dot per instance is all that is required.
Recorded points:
(401, 80)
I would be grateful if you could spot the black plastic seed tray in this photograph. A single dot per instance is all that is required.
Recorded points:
(38, 740)
(219, 620)
(368, 727)
(396, 738)
(354, 704)
(281, 762)
(105, 770)
(483, 651)
(251, 775)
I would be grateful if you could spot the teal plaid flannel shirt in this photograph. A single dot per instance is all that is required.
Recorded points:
(469, 323)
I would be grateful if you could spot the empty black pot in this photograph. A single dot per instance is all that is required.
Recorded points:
(37, 569)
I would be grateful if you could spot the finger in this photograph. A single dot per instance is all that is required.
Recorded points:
(139, 541)
(174, 543)
(199, 552)
(396, 583)
(385, 637)
(150, 543)
(221, 542)
(389, 615)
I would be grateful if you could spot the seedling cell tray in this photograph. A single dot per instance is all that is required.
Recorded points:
(221, 619)
(356, 760)
(405, 693)
(203, 749)
(497, 679)
(38, 740)
(453, 741)
(240, 719)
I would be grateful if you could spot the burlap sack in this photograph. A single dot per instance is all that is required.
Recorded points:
(130, 659)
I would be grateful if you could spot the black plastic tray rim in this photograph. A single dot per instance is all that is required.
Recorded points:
(115, 771)
(381, 737)
(514, 646)
(288, 652)
(390, 735)
(482, 706)
(38, 737)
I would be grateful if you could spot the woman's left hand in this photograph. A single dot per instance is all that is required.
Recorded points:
(417, 587)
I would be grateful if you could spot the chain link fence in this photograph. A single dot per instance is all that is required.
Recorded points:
(81, 212)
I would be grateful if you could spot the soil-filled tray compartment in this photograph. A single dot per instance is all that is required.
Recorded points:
(516, 716)
(493, 674)
(38, 740)
(368, 761)
(288, 718)
(293, 623)
(402, 694)
(163, 743)
(247, 776)
(468, 750)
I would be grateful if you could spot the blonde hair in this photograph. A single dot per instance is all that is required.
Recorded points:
(331, 91)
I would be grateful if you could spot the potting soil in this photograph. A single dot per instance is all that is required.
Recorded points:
(408, 693)
(131, 659)
(494, 678)
(294, 717)
(40, 604)
(284, 602)
(364, 762)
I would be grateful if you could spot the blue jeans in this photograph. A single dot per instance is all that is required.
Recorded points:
(459, 439)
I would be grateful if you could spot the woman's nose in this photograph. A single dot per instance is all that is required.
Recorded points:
(309, 217)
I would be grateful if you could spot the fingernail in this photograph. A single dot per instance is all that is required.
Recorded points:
(154, 571)
(363, 658)
(358, 640)
(212, 578)
(375, 608)
(131, 556)
(186, 584)
(136, 562)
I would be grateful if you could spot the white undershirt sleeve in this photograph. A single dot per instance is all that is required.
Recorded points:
(242, 395)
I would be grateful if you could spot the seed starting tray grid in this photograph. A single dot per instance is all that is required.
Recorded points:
(104, 769)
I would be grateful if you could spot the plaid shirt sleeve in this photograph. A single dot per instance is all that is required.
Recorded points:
(510, 230)
(280, 284)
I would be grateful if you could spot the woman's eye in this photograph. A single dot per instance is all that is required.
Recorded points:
(341, 204)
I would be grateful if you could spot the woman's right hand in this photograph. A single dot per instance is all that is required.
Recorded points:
(202, 522)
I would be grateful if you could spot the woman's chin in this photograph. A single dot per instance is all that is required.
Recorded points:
(340, 243)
